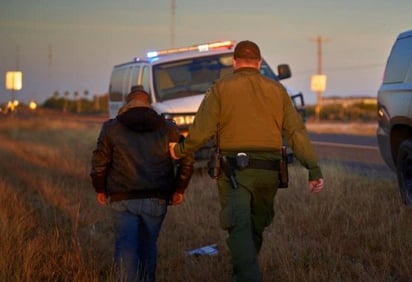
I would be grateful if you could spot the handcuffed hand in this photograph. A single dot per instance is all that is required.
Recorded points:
(101, 198)
(316, 186)
(177, 198)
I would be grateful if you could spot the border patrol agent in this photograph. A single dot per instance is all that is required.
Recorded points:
(251, 112)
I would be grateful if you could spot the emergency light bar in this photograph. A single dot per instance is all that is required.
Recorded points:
(201, 48)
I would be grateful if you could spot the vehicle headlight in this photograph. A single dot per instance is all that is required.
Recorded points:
(182, 120)
(382, 115)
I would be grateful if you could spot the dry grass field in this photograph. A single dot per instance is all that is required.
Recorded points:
(52, 229)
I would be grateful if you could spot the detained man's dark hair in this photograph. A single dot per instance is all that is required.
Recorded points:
(135, 92)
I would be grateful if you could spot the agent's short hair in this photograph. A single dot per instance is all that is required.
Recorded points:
(247, 50)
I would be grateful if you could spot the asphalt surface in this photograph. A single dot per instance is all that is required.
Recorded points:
(357, 140)
(355, 152)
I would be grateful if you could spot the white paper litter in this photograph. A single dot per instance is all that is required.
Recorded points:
(209, 250)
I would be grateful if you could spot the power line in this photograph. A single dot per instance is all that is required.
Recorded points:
(17, 57)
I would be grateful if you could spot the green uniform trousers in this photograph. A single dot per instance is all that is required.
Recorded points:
(245, 212)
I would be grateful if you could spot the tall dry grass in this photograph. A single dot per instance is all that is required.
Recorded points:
(52, 229)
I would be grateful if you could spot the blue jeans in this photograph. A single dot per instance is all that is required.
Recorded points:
(137, 224)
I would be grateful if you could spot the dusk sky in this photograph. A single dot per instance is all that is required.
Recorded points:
(62, 45)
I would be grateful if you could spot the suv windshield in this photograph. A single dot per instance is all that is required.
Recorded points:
(191, 77)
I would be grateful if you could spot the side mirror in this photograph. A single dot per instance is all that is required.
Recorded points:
(284, 71)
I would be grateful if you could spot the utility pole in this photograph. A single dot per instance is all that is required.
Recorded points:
(319, 93)
(17, 57)
(320, 79)
(49, 66)
(319, 45)
(172, 23)
(49, 59)
(17, 69)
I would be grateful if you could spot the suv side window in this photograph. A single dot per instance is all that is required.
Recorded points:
(134, 77)
(116, 86)
(399, 62)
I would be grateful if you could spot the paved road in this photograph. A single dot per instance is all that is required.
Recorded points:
(347, 147)
(359, 153)
(347, 139)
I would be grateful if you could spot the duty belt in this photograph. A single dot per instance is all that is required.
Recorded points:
(257, 164)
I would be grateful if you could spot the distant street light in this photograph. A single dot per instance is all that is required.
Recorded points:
(14, 82)
(12, 105)
(318, 85)
(32, 105)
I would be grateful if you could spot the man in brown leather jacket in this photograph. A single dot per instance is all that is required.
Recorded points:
(131, 167)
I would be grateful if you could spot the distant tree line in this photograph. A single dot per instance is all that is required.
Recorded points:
(76, 103)
(364, 112)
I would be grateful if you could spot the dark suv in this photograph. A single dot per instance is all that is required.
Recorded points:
(395, 114)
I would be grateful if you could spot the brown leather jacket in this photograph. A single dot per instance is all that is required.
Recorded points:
(132, 159)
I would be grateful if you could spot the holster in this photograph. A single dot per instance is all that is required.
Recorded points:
(283, 171)
(229, 170)
(214, 167)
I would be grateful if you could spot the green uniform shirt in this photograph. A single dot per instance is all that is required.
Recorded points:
(252, 111)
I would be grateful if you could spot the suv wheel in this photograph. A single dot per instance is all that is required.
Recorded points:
(404, 171)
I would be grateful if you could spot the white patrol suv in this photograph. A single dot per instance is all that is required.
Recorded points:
(177, 79)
